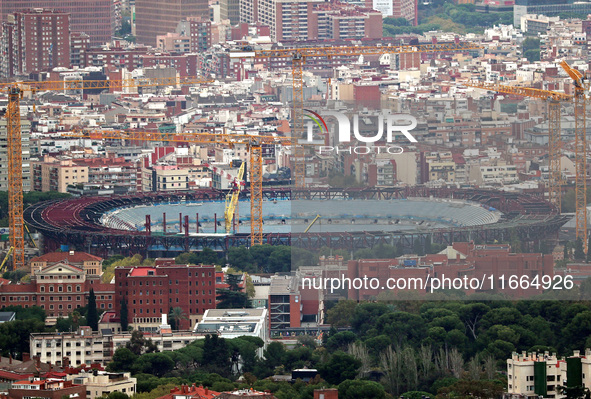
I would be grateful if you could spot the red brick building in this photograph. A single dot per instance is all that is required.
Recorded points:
(60, 289)
(461, 259)
(153, 291)
(95, 18)
(35, 40)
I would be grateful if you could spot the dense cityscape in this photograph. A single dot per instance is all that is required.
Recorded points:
(294, 199)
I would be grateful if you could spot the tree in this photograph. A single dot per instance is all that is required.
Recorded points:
(233, 297)
(157, 364)
(216, 355)
(123, 360)
(124, 315)
(339, 367)
(177, 314)
(359, 389)
(472, 389)
(15, 335)
(92, 314)
(138, 344)
(117, 395)
(577, 392)
(340, 315)
(417, 395)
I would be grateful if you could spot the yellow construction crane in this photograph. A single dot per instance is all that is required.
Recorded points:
(4, 264)
(580, 107)
(298, 58)
(253, 143)
(312, 224)
(15, 92)
(232, 200)
(554, 100)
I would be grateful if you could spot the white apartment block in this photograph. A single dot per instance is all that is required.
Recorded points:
(536, 375)
(85, 347)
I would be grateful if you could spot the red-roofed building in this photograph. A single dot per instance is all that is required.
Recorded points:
(48, 389)
(190, 392)
(92, 265)
(59, 288)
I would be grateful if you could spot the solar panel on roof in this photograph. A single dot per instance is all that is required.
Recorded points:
(106, 331)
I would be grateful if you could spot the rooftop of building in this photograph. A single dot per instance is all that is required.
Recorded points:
(67, 257)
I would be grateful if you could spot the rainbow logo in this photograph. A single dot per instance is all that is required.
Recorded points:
(317, 119)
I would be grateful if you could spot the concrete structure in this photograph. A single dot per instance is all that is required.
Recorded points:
(491, 174)
(230, 9)
(153, 291)
(157, 17)
(233, 323)
(533, 375)
(95, 18)
(100, 383)
(165, 178)
(284, 303)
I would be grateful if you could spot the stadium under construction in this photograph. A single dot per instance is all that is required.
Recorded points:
(165, 224)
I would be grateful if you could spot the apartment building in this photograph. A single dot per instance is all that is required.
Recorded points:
(35, 40)
(95, 18)
(153, 291)
(165, 178)
(101, 383)
(534, 375)
(52, 174)
(25, 134)
(97, 347)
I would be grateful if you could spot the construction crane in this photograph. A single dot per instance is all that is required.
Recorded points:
(254, 145)
(580, 105)
(15, 92)
(580, 108)
(232, 200)
(554, 100)
(298, 58)
(312, 224)
(3, 264)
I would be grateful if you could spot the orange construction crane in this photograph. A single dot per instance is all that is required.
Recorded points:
(554, 100)
(298, 58)
(253, 143)
(15, 92)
